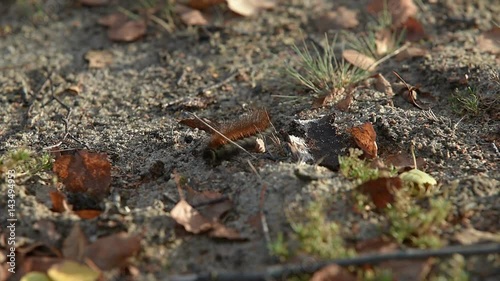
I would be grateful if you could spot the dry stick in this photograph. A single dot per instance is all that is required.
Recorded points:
(388, 56)
(222, 135)
(280, 271)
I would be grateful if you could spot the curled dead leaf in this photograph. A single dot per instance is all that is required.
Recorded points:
(128, 32)
(190, 16)
(249, 7)
(84, 172)
(365, 137)
(113, 251)
(381, 190)
(382, 85)
(190, 218)
(489, 41)
(358, 59)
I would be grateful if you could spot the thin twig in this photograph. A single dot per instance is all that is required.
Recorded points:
(388, 56)
(281, 271)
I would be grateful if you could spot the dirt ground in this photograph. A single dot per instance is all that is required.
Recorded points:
(131, 109)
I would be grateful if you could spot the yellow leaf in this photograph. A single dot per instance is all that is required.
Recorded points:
(70, 270)
(418, 177)
(35, 276)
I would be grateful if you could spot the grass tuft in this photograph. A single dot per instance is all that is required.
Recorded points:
(321, 70)
(465, 101)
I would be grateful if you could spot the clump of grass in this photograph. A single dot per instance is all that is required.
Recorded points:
(25, 162)
(353, 167)
(465, 101)
(321, 70)
(409, 222)
(279, 248)
(317, 235)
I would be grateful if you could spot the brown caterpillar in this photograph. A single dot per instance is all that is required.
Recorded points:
(244, 132)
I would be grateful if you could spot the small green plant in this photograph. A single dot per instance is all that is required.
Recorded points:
(279, 248)
(321, 71)
(465, 101)
(25, 162)
(453, 268)
(354, 168)
(317, 235)
(412, 223)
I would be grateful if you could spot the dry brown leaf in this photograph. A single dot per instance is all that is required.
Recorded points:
(74, 89)
(221, 231)
(99, 58)
(59, 203)
(358, 59)
(75, 244)
(489, 41)
(84, 172)
(341, 17)
(128, 31)
(333, 272)
(381, 190)
(87, 214)
(190, 16)
(410, 52)
(113, 250)
(190, 218)
(112, 19)
(203, 4)
(382, 85)
(400, 10)
(366, 138)
(345, 103)
(94, 3)
(414, 31)
(249, 7)
(212, 211)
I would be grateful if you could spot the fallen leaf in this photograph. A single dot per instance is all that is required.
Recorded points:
(414, 31)
(333, 272)
(190, 16)
(35, 276)
(358, 59)
(365, 137)
(382, 85)
(410, 52)
(99, 58)
(113, 251)
(418, 177)
(84, 172)
(345, 103)
(190, 218)
(113, 19)
(339, 18)
(128, 32)
(400, 10)
(221, 231)
(87, 214)
(212, 211)
(59, 203)
(70, 270)
(74, 89)
(489, 41)
(94, 3)
(75, 244)
(381, 190)
(249, 7)
(203, 4)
